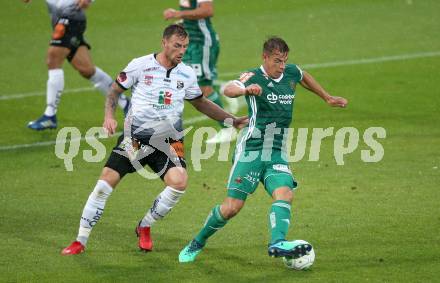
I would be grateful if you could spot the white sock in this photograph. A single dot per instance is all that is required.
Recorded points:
(93, 210)
(102, 81)
(54, 88)
(164, 202)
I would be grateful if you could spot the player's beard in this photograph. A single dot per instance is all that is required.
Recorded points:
(173, 60)
(177, 60)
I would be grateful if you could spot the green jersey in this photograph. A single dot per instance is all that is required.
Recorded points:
(271, 112)
(200, 31)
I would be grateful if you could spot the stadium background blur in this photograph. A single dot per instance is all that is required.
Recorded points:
(367, 221)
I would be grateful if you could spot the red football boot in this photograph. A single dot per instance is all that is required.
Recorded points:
(145, 242)
(74, 249)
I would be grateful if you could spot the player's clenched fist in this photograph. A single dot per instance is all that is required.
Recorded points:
(169, 14)
(253, 89)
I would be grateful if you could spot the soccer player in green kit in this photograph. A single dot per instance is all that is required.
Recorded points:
(202, 52)
(260, 154)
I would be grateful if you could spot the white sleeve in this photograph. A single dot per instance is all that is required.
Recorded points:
(193, 91)
(129, 76)
(238, 83)
(201, 1)
(300, 72)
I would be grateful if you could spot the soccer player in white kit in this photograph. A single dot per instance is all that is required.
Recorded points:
(67, 42)
(153, 133)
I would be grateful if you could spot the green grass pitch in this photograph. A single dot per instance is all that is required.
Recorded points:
(368, 222)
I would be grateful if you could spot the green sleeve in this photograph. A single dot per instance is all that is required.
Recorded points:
(247, 78)
(295, 72)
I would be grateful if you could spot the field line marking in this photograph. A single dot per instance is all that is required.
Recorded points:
(187, 122)
(197, 119)
(360, 61)
(41, 93)
(229, 74)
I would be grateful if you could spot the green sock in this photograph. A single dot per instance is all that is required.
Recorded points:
(213, 223)
(279, 220)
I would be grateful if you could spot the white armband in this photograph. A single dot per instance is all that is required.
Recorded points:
(238, 83)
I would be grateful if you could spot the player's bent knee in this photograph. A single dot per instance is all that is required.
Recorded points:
(111, 176)
(230, 211)
(56, 56)
(231, 207)
(284, 193)
(176, 178)
(86, 72)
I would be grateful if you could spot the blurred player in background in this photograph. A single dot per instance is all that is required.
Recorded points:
(67, 42)
(153, 133)
(203, 51)
(260, 155)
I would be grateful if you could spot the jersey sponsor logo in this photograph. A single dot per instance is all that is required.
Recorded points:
(252, 177)
(165, 97)
(272, 97)
(180, 84)
(286, 98)
(282, 98)
(282, 167)
(246, 76)
(151, 69)
(270, 84)
(148, 79)
(122, 77)
(164, 101)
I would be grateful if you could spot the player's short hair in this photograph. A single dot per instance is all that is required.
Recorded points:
(174, 29)
(275, 43)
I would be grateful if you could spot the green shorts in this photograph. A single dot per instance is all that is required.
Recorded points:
(245, 175)
(203, 59)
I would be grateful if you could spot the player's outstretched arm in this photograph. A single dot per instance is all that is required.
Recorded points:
(312, 85)
(236, 89)
(204, 10)
(213, 111)
(111, 103)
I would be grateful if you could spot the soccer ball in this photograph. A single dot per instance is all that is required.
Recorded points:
(303, 262)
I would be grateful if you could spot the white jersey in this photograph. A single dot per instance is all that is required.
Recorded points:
(65, 8)
(158, 94)
(61, 3)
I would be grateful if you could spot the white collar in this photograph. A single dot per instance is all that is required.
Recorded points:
(154, 55)
(264, 72)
